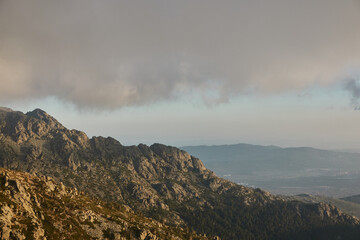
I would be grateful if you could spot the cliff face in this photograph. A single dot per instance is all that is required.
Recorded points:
(161, 181)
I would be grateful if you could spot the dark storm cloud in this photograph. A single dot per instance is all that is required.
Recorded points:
(110, 54)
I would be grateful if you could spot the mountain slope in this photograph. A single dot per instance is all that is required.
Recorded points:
(162, 182)
(38, 208)
(345, 205)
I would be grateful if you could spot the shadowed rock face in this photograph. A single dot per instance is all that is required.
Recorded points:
(161, 181)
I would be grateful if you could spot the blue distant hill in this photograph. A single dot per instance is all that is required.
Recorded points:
(283, 170)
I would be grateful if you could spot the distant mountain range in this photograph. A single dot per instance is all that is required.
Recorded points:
(284, 170)
(160, 182)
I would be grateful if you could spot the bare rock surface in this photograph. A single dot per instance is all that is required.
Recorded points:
(38, 208)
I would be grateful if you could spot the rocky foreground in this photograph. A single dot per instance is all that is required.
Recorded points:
(161, 182)
(34, 207)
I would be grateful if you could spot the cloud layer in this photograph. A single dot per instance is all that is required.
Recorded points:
(110, 54)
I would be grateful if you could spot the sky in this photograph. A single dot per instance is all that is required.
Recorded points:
(279, 72)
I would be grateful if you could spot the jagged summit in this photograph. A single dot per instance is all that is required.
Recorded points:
(38, 113)
(43, 116)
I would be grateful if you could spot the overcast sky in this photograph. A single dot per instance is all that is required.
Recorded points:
(281, 72)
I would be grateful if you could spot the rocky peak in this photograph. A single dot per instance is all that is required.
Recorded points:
(21, 127)
(40, 126)
(43, 116)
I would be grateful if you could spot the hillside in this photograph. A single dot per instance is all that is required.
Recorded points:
(161, 182)
(284, 170)
(34, 207)
(345, 205)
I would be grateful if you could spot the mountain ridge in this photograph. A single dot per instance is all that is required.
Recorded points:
(284, 170)
(162, 182)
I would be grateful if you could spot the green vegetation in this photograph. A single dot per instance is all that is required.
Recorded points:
(276, 220)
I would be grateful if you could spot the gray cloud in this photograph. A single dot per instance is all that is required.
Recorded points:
(352, 85)
(110, 54)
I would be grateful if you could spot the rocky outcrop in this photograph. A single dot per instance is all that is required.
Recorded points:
(38, 208)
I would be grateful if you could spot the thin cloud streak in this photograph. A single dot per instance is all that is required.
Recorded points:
(111, 54)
